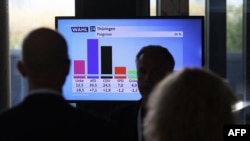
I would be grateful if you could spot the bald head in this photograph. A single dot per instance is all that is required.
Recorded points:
(44, 49)
(44, 56)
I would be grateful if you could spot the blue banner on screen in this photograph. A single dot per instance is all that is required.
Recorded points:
(102, 52)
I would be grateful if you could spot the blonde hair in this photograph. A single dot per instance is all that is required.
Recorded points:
(190, 105)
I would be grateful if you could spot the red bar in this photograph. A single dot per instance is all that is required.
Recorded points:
(120, 77)
(120, 70)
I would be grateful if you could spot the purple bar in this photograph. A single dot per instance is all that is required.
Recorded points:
(92, 56)
(79, 77)
(79, 67)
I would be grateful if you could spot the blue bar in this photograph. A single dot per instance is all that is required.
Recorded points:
(92, 56)
(93, 77)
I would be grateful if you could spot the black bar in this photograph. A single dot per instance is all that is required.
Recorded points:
(106, 77)
(142, 7)
(172, 7)
(4, 57)
(106, 60)
(216, 36)
(111, 8)
(246, 49)
(246, 57)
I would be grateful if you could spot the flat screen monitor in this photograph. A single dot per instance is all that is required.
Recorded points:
(103, 51)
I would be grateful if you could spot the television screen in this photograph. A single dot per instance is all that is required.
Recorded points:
(103, 51)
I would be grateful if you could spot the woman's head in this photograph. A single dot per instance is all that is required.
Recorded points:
(190, 104)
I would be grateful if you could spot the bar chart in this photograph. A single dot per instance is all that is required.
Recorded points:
(97, 74)
(103, 52)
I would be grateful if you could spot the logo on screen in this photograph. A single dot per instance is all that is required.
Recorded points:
(79, 29)
(92, 28)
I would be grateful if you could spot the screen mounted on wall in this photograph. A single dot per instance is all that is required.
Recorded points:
(102, 52)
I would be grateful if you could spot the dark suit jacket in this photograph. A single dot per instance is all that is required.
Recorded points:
(125, 120)
(123, 116)
(50, 117)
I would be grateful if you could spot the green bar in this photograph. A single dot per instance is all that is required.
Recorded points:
(132, 72)
(132, 77)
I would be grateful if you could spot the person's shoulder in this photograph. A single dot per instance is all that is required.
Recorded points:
(10, 112)
(95, 127)
(89, 117)
(7, 117)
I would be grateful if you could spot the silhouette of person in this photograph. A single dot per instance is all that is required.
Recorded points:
(153, 63)
(191, 104)
(44, 114)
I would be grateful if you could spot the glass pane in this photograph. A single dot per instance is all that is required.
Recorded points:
(234, 25)
(152, 7)
(196, 7)
(24, 16)
(234, 42)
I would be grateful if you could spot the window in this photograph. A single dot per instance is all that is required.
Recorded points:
(196, 7)
(24, 16)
